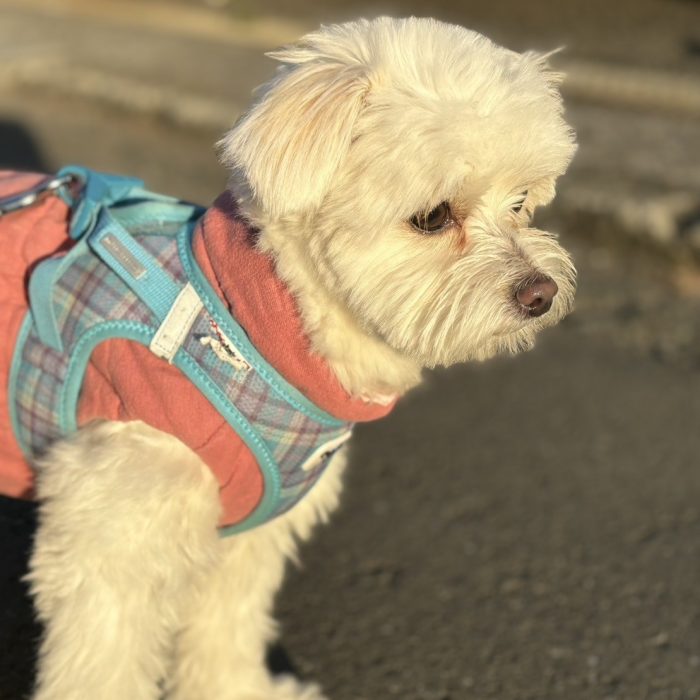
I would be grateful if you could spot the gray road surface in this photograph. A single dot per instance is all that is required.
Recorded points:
(526, 529)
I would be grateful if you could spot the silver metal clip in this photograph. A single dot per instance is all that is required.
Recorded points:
(34, 194)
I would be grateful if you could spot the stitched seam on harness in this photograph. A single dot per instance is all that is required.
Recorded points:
(67, 419)
(261, 367)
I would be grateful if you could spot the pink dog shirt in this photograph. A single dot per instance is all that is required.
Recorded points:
(125, 381)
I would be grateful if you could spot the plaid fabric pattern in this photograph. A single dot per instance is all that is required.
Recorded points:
(85, 296)
(89, 294)
(289, 434)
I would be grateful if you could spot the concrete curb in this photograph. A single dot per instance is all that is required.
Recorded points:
(264, 33)
(627, 86)
(608, 84)
(594, 83)
(172, 105)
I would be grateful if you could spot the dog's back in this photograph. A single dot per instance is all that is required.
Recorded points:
(26, 236)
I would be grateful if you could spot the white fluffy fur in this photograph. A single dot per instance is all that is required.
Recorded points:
(408, 113)
(133, 584)
(364, 125)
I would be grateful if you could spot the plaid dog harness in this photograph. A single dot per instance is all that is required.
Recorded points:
(130, 273)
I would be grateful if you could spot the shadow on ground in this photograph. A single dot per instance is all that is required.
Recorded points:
(18, 630)
(19, 149)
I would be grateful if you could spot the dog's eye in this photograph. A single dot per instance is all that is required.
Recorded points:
(433, 221)
(517, 207)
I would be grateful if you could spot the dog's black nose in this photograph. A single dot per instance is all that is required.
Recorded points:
(536, 295)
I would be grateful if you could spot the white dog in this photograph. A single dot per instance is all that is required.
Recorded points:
(390, 170)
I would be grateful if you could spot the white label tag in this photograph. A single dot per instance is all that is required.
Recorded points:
(176, 325)
(325, 450)
(224, 348)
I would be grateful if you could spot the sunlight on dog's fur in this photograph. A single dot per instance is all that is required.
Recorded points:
(370, 122)
(392, 167)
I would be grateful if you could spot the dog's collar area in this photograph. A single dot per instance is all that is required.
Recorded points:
(246, 281)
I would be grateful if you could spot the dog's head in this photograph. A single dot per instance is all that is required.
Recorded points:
(403, 159)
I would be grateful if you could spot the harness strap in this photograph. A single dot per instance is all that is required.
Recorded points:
(41, 285)
(100, 191)
(90, 195)
(136, 267)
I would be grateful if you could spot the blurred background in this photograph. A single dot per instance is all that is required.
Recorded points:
(519, 530)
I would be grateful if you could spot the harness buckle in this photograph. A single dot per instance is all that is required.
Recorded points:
(60, 185)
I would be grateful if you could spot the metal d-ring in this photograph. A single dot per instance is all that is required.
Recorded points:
(51, 185)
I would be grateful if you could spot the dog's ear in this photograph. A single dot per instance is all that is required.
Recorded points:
(288, 146)
(540, 63)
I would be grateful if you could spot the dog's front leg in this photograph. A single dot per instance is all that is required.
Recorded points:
(221, 651)
(127, 523)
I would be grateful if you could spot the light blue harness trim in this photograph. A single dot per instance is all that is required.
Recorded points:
(105, 206)
(40, 284)
(24, 331)
(143, 275)
(221, 315)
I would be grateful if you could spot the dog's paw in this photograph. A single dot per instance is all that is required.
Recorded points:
(287, 687)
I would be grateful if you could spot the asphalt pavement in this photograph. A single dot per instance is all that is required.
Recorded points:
(524, 529)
